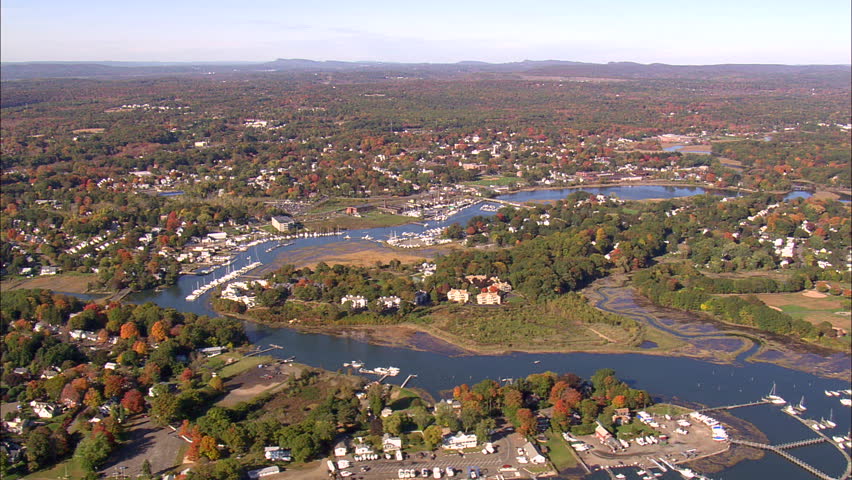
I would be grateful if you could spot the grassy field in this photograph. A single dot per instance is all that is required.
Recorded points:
(810, 309)
(496, 181)
(667, 409)
(67, 282)
(561, 455)
(68, 470)
(241, 365)
(373, 219)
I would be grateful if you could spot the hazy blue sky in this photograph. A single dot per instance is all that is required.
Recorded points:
(646, 31)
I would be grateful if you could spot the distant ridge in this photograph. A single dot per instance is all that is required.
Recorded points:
(527, 68)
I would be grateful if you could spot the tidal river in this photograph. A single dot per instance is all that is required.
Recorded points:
(439, 367)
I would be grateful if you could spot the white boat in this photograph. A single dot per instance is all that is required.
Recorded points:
(790, 410)
(846, 401)
(619, 476)
(831, 393)
(686, 473)
(773, 398)
(830, 422)
(801, 406)
(837, 439)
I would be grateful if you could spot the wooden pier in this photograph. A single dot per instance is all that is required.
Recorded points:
(407, 379)
(811, 469)
(269, 349)
(731, 407)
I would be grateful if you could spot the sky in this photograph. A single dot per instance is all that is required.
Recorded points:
(683, 32)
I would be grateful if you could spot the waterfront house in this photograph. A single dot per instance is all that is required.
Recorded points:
(489, 298)
(458, 295)
(459, 441)
(389, 303)
(621, 416)
(355, 301)
(422, 298)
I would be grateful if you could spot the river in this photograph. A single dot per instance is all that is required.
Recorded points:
(668, 378)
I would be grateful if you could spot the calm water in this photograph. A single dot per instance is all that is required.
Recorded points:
(666, 378)
(632, 192)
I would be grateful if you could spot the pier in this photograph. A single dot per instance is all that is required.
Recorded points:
(731, 407)
(268, 349)
(811, 469)
(407, 379)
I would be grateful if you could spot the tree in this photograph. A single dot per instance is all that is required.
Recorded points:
(146, 468)
(393, 424)
(93, 398)
(133, 401)
(217, 384)
(526, 422)
(432, 436)
(129, 330)
(39, 449)
(93, 451)
(158, 331)
(207, 447)
(484, 429)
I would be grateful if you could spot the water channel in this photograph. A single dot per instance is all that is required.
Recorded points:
(439, 367)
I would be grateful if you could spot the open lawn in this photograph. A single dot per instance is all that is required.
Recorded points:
(667, 409)
(373, 219)
(560, 454)
(66, 282)
(496, 181)
(814, 310)
(66, 470)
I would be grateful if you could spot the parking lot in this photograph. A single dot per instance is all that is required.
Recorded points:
(505, 444)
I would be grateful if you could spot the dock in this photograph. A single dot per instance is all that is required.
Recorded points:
(731, 407)
(407, 379)
(268, 349)
(811, 469)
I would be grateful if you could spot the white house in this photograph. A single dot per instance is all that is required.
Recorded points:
(340, 449)
(362, 448)
(459, 441)
(355, 301)
(388, 303)
(533, 454)
(391, 444)
(43, 410)
(458, 295)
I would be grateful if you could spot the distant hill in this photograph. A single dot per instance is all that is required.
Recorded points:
(527, 68)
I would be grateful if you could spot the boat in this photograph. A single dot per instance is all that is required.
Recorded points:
(790, 410)
(830, 422)
(773, 398)
(846, 401)
(537, 362)
(831, 393)
(347, 237)
(367, 237)
(619, 476)
(686, 473)
(801, 406)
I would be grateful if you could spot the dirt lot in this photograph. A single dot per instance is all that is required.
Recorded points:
(159, 445)
(57, 283)
(255, 381)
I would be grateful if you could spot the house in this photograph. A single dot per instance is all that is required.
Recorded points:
(217, 236)
(49, 373)
(488, 298)
(386, 412)
(458, 295)
(202, 143)
(277, 454)
(16, 425)
(110, 366)
(283, 223)
(363, 449)
(621, 416)
(355, 301)
(263, 472)
(389, 303)
(49, 270)
(422, 298)
(22, 372)
(459, 441)
(340, 449)
(391, 444)
(532, 454)
(213, 351)
(43, 410)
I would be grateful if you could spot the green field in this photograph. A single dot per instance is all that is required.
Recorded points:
(496, 181)
(561, 455)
